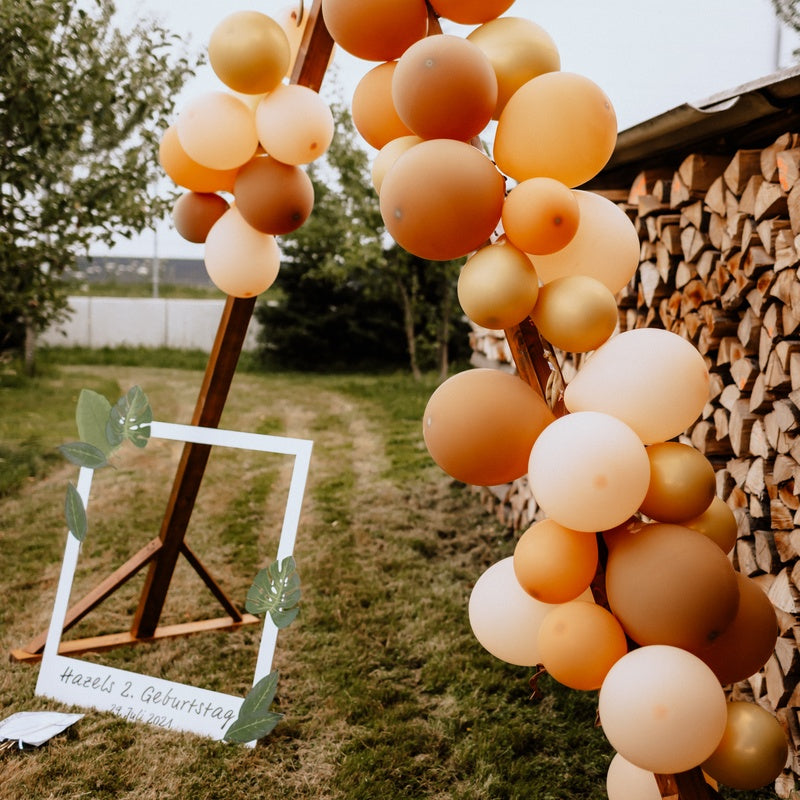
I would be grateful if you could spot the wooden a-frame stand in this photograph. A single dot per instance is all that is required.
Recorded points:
(161, 554)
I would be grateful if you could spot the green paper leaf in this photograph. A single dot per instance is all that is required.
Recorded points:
(130, 419)
(91, 414)
(84, 455)
(249, 730)
(75, 513)
(276, 591)
(260, 697)
(255, 720)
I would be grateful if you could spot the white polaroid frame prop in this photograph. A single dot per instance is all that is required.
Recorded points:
(144, 698)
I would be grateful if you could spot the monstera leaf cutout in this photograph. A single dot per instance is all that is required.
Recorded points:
(255, 720)
(276, 591)
(91, 415)
(130, 419)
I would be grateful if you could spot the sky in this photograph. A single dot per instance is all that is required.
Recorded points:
(647, 55)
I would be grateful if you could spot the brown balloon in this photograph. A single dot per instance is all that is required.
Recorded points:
(194, 214)
(671, 585)
(718, 523)
(273, 197)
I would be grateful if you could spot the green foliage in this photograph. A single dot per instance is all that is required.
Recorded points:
(130, 419)
(91, 416)
(255, 719)
(83, 454)
(276, 591)
(75, 512)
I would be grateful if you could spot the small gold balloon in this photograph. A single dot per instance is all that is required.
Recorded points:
(718, 523)
(575, 313)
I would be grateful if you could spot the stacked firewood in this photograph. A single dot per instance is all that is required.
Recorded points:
(720, 265)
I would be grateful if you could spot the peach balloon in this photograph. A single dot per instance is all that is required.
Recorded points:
(718, 523)
(187, 173)
(470, 12)
(540, 216)
(671, 585)
(518, 50)
(194, 215)
(387, 155)
(605, 246)
(625, 781)
(240, 260)
(444, 87)
(504, 618)
(576, 313)
(442, 199)
(558, 125)
(682, 482)
(294, 124)
(249, 52)
(555, 564)
(653, 380)
(273, 197)
(375, 30)
(588, 471)
(480, 424)
(662, 709)
(498, 286)
(753, 750)
(217, 130)
(374, 114)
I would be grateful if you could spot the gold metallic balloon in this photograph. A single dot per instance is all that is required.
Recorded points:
(718, 523)
(753, 750)
(682, 482)
(576, 313)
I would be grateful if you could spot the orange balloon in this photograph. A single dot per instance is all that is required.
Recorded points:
(470, 12)
(718, 522)
(194, 215)
(444, 87)
(187, 173)
(558, 125)
(555, 564)
(442, 199)
(540, 215)
(272, 196)
(375, 30)
(374, 114)
(479, 426)
(387, 155)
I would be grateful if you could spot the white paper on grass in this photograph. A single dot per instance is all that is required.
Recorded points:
(35, 727)
(142, 697)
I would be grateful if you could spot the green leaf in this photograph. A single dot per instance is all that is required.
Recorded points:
(276, 591)
(84, 455)
(75, 513)
(255, 720)
(91, 415)
(130, 419)
(260, 697)
(248, 730)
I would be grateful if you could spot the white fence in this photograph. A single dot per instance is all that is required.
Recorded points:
(142, 322)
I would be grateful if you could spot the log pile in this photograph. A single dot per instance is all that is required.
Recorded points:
(720, 265)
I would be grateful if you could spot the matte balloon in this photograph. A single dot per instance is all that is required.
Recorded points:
(387, 155)
(480, 424)
(240, 260)
(375, 30)
(555, 564)
(671, 585)
(273, 197)
(470, 12)
(605, 246)
(662, 709)
(626, 781)
(459, 208)
(498, 286)
(504, 618)
(576, 313)
(518, 50)
(187, 173)
(249, 52)
(217, 130)
(653, 380)
(194, 215)
(557, 125)
(588, 471)
(294, 124)
(373, 110)
(444, 87)
(753, 750)
(718, 523)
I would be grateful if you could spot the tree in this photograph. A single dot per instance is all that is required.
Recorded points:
(82, 108)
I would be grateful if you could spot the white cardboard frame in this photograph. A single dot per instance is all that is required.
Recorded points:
(138, 697)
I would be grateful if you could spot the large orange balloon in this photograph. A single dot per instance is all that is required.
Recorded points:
(558, 125)
(442, 199)
(519, 50)
(444, 87)
(188, 173)
(374, 114)
(194, 215)
(470, 12)
(375, 30)
(480, 424)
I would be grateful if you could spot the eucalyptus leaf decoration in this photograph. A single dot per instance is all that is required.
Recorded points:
(276, 591)
(255, 719)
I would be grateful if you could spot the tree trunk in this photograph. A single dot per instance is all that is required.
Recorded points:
(29, 350)
(444, 328)
(408, 325)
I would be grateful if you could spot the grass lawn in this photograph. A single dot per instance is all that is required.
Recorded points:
(385, 691)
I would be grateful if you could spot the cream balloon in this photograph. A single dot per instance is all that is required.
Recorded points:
(588, 471)
(387, 155)
(662, 709)
(653, 380)
(605, 246)
(240, 260)
(626, 781)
